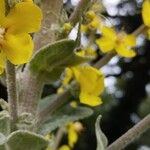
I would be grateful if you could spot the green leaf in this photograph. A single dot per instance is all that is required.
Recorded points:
(46, 101)
(50, 61)
(64, 116)
(2, 141)
(4, 122)
(26, 140)
(102, 141)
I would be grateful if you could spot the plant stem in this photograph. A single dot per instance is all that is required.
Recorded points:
(52, 10)
(139, 30)
(58, 138)
(104, 60)
(30, 94)
(32, 87)
(131, 134)
(53, 106)
(75, 17)
(12, 93)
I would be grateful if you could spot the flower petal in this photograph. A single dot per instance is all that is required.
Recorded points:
(91, 100)
(109, 33)
(123, 51)
(91, 83)
(130, 40)
(105, 45)
(146, 12)
(24, 17)
(18, 48)
(72, 135)
(2, 10)
(68, 76)
(64, 147)
(87, 76)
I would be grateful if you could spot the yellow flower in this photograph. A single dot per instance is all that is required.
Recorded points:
(65, 81)
(90, 15)
(91, 83)
(93, 22)
(90, 52)
(121, 42)
(16, 44)
(60, 90)
(73, 130)
(68, 76)
(47, 137)
(80, 53)
(72, 135)
(64, 147)
(84, 28)
(73, 104)
(67, 27)
(146, 14)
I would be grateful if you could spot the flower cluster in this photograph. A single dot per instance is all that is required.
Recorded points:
(119, 42)
(110, 40)
(92, 22)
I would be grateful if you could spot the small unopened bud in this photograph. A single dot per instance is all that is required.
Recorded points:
(67, 27)
(78, 126)
(90, 15)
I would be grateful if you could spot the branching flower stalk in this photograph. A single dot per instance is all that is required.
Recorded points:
(54, 105)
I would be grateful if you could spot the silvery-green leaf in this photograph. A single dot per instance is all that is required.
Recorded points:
(4, 104)
(64, 116)
(25, 140)
(102, 141)
(46, 101)
(2, 141)
(50, 61)
(4, 122)
(25, 121)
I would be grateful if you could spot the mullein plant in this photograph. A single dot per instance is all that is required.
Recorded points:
(34, 53)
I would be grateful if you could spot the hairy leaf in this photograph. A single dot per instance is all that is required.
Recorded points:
(46, 101)
(26, 140)
(4, 122)
(50, 61)
(64, 116)
(2, 141)
(101, 138)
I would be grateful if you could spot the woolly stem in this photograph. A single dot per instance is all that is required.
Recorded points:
(131, 134)
(12, 93)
